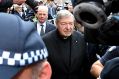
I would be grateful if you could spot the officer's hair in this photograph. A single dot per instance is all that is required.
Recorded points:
(37, 69)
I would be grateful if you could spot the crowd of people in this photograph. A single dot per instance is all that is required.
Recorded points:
(42, 40)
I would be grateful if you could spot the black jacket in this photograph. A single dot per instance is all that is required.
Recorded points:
(49, 26)
(67, 60)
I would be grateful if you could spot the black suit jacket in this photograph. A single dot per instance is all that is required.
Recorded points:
(49, 27)
(64, 65)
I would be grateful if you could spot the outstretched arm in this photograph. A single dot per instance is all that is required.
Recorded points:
(96, 68)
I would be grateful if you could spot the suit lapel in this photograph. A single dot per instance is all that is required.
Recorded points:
(35, 23)
(72, 48)
(47, 26)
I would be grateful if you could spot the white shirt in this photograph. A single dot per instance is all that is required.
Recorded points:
(39, 27)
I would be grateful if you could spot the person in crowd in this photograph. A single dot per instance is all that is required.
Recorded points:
(66, 49)
(94, 51)
(98, 65)
(43, 26)
(40, 2)
(18, 10)
(23, 54)
(70, 7)
(5, 4)
(51, 9)
(111, 69)
(23, 10)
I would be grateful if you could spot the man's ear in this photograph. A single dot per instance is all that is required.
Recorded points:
(45, 72)
(36, 15)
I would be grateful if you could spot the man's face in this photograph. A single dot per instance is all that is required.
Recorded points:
(65, 26)
(42, 15)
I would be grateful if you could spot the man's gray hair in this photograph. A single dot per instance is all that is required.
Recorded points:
(63, 13)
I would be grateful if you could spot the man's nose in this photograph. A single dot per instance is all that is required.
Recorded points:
(68, 26)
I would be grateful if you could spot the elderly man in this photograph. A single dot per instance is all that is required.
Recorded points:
(66, 49)
(43, 26)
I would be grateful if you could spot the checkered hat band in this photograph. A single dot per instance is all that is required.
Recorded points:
(22, 59)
